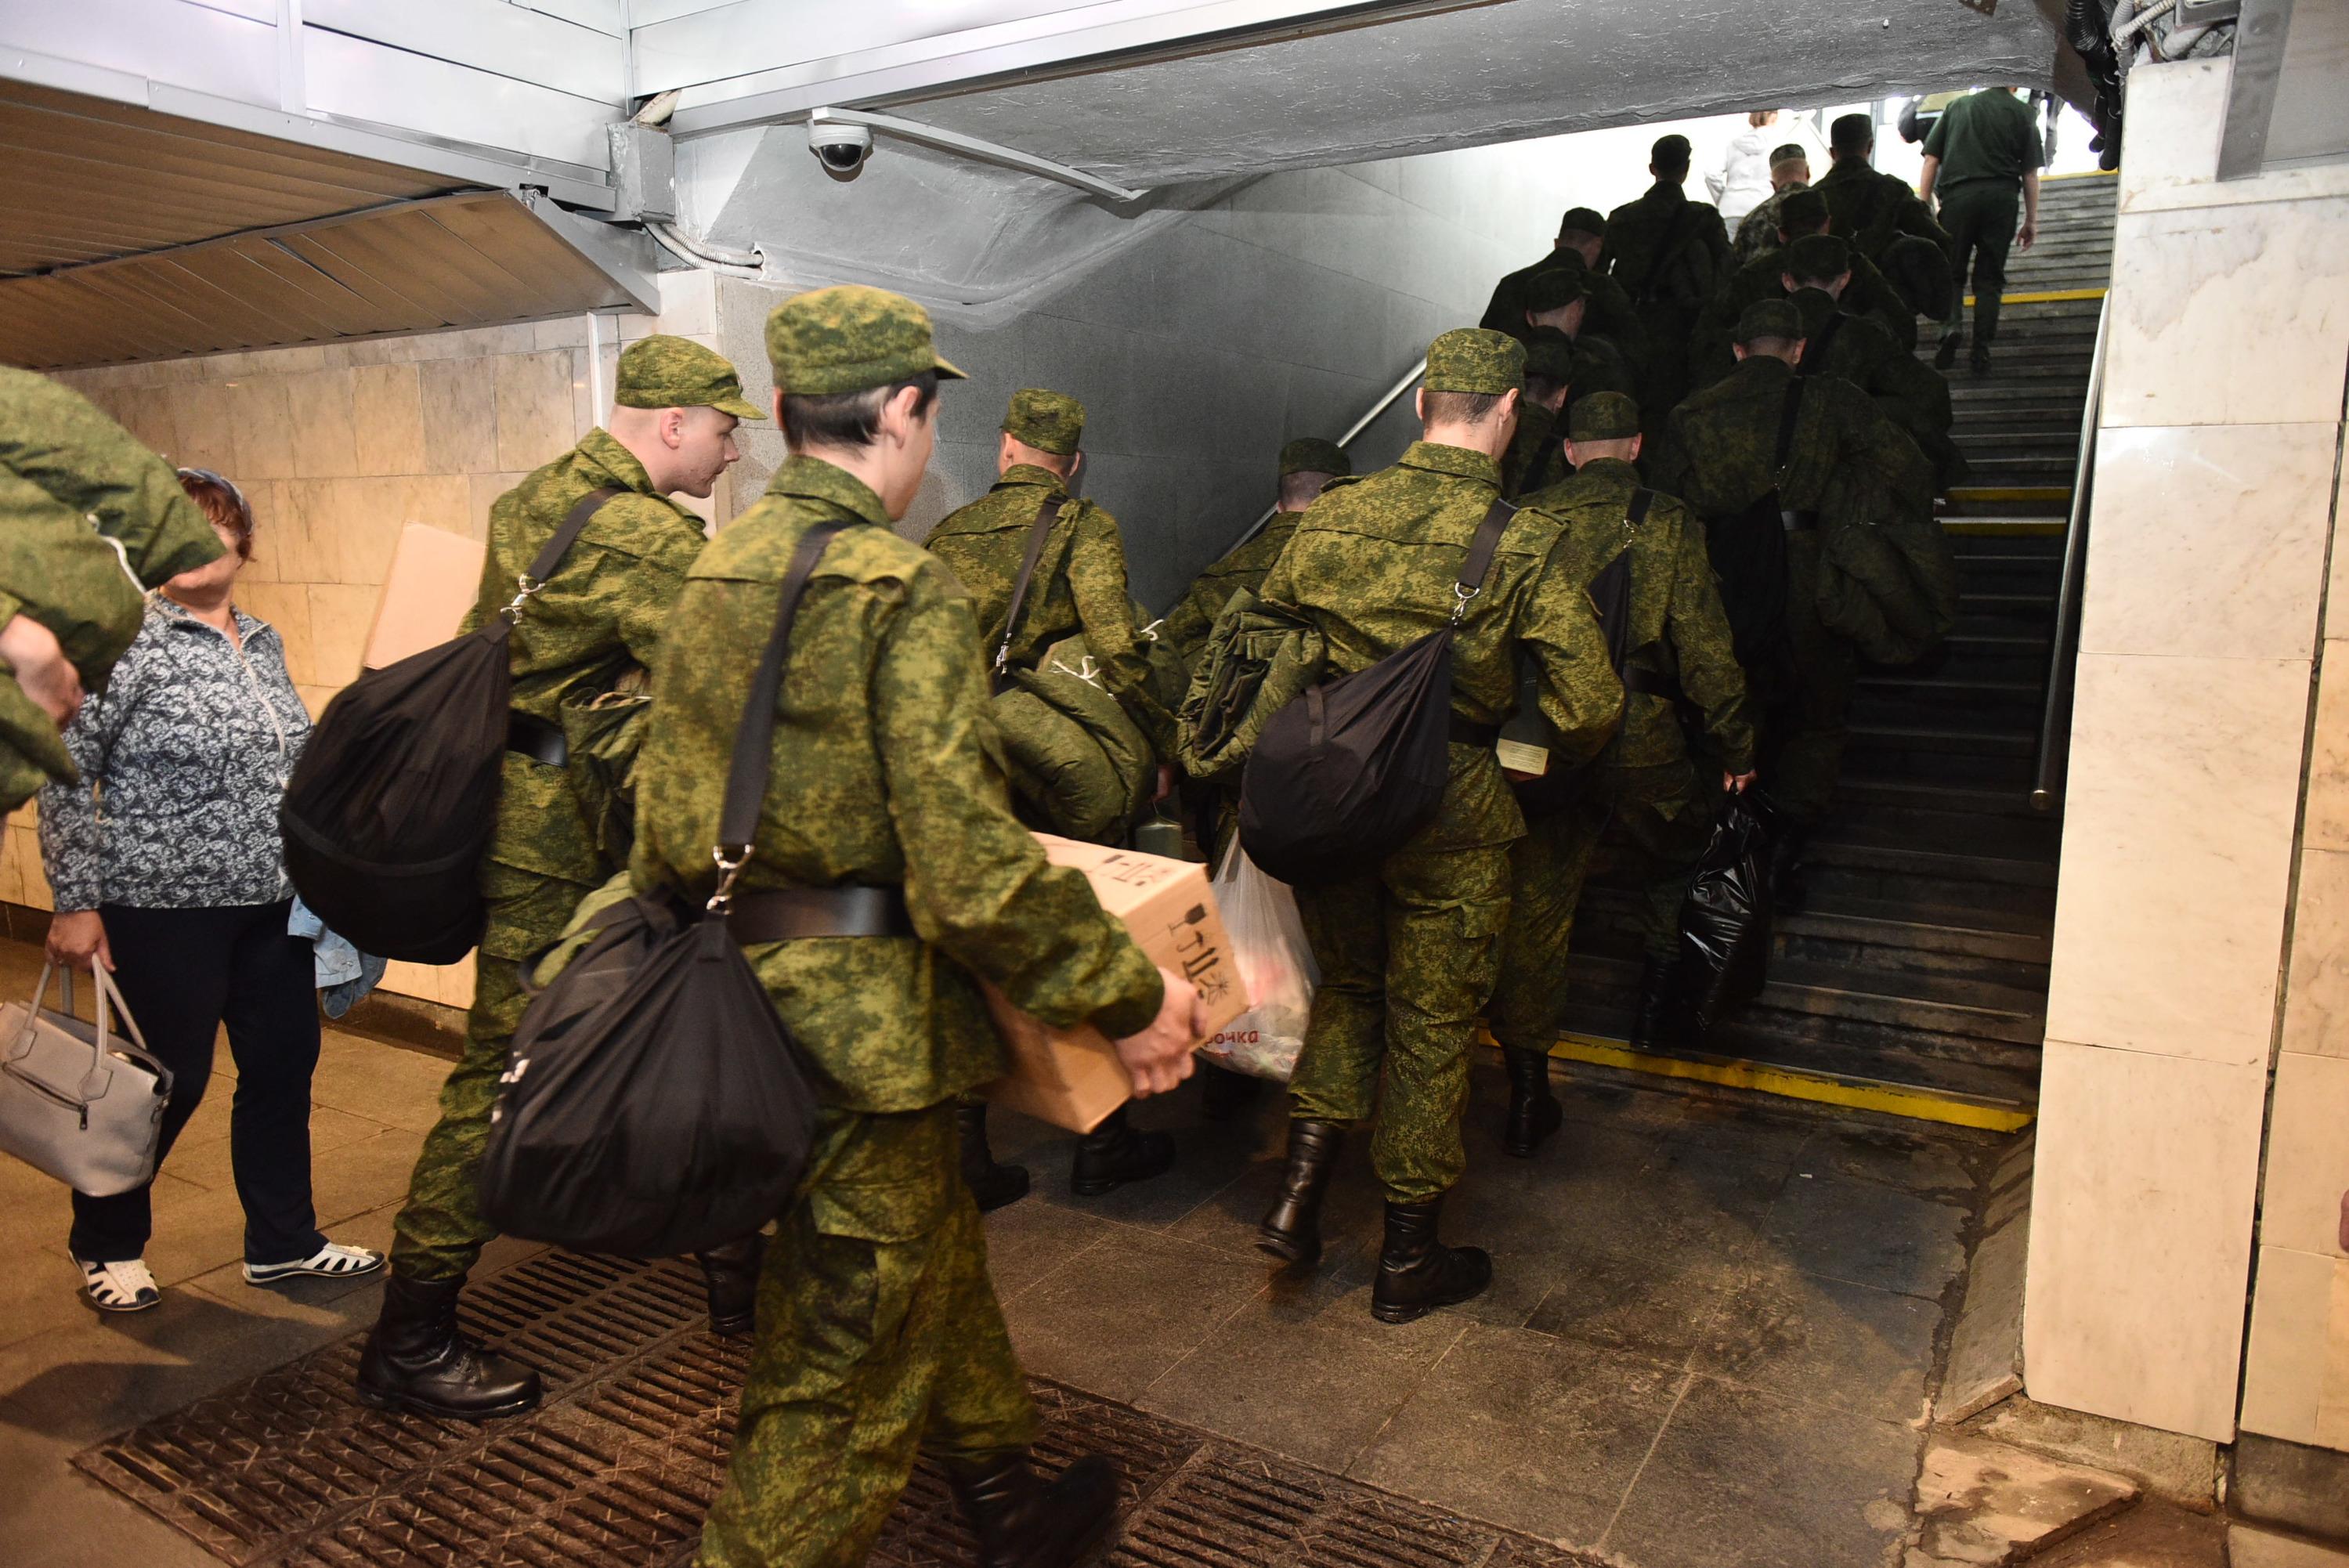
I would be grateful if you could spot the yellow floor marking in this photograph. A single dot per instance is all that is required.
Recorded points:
(1795, 1083)
(2047, 296)
(2005, 527)
(2052, 493)
(2081, 174)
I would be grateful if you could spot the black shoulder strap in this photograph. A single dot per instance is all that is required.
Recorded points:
(1480, 556)
(1042, 526)
(1815, 353)
(746, 775)
(1786, 421)
(574, 524)
(1635, 510)
(1543, 450)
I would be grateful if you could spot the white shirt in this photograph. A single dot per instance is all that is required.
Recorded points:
(1744, 183)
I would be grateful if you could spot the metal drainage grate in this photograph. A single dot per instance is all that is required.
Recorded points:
(621, 1462)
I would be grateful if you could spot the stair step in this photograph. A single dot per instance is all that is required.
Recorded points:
(1931, 795)
(1816, 1000)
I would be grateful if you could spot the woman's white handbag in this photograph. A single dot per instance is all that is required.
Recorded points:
(75, 1102)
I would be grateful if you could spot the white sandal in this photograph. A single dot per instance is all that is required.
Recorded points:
(124, 1286)
(333, 1261)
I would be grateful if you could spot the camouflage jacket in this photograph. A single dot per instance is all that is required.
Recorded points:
(1187, 624)
(1665, 247)
(886, 773)
(1869, 294)
(1079, 586)
(88, 516)
(1373, 566)
(1535, 423)
(1909, 392)
(1758, 230)
(1678, 628)
(1869, 208)
(599, 618)
(1609, 312)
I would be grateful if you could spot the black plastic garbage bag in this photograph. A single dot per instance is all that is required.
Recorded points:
(653, 1103)
(1724, 949)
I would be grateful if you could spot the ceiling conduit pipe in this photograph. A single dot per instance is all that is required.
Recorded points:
(705, 254)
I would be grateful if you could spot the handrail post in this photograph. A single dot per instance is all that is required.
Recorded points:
(2055, 719)
(1410, 379)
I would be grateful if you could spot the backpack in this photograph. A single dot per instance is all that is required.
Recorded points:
(1257, 659)
(654, 1103)
(1076, 757)
(1748, 552)
(392, 804)
(1344, 775)
(1609, 590)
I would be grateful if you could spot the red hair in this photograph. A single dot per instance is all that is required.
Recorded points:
(223, 503)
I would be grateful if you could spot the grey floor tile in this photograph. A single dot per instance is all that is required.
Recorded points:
(1209, 1156)
(1351, 1213)
(56, 1518)
(1824, 1341)
(1749, 1127)
(1539, 1434)
(1932, 1162)
(1028, 1240)
(380, 1081)
(207, 1163)
(364, 1175)
(1870, 1235)
(1746, 1479)
(1113, 1319)
(1655, 1302)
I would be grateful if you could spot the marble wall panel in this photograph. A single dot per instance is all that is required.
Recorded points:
(340, 615)
(261, 427)
(460, 415)
(2232, 317)
(2336, 587)
(2209, 539)
(2307, 1154)
(481, 491)
(2141, 1235)
(2176, 111)
(325, 436)
(2327, 823)
(287, 607)
(2283, 1385)
(199, 412)
(2179, 818)
(388, 419)
(533, 407)
(2316, 1004)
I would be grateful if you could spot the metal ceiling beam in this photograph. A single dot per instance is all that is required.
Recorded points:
(2260, 34)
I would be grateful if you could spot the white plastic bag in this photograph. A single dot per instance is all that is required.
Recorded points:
(1275, 963)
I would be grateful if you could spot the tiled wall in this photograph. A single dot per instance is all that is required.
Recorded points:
(338, 448)
(2186, 868)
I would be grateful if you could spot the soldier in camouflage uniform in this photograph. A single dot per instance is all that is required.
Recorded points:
(1536, 455)
(1579, 243)
(1668, 254)
(1409, 950)
(878, 1330)
(1079, 586)
(1883, 218)
(1645, 784)
(1820, 270)
(595, 628)
(1866, 294)
(1846, 462)
(1758, 230)
(1308, 464)
(89, 518)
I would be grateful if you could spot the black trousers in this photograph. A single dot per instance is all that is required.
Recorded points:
(1980, 218)
(184, 973)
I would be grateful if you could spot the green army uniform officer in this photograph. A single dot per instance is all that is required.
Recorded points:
(1580, 242)
(1868, 292)
(1847, 463)
(1645, 784)
(878, 1330)
(89, 519)
(595, 626)
(1536, 455)
(1884, 219)
(1668, 254)
(1790, 170)
(1983, 154)
(1408, 950)
(1855, 347)
(1308, 464)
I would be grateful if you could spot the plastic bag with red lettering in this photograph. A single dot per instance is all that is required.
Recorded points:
(1269, 942)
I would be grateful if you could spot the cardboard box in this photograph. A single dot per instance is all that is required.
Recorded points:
(434, 579)
(1073, 1078)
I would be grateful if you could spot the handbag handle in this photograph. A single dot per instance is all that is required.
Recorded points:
(753, 759)
(107, 993)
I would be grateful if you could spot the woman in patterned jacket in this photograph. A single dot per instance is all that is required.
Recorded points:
(166, 868)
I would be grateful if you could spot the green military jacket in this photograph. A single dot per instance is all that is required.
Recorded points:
(1758, 230)
(1869, 293)
(1665, 247)
(89, 518)
(1677, 625)
(1990, 135)
(1373, 566)
(1535, 423)
(1186, 625)
(599, 618)
(1079, 586)
(1607, 312)
(1909, 392)
(886, 773)
(1872, 209)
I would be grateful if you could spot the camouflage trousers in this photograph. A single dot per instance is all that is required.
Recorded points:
(1803, 700)
(440, 1233)
(1661, 817)
(878, 1334)
(1408, 957)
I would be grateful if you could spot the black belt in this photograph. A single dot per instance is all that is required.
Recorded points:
(1468, 732)
(1655, 683)
(537, 739)
(789, 914)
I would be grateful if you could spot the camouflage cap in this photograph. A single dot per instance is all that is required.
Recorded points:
(1816, 257)
(1603, 417)
(1789, 152)
(1583, 221)
(1769, 318)
(849, 338)
(1050, 422)
(666, 372)
(1476, 359)
(1550, 356)
(1554, 287)
(1803, 212)
(1312, 454)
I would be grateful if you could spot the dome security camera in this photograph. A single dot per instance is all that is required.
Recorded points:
(842, 149)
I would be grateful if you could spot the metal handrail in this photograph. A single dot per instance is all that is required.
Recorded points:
(1410, 379)
(2056, 718)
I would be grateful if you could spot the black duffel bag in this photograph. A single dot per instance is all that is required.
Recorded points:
(653, 1102)
(1724, 946)
(1345, 773)
(393, 802)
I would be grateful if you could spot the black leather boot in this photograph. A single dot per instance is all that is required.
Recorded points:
(1418, 1273)
(1022, 1521)
(1114, 1154)
(417, 1360)
(1223, 1093)
(991, 1185)
(730, 1275)
(1292, 1227)
(1534, 1112)
(1656, 1021)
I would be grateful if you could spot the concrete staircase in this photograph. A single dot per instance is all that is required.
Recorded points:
(1922, 958)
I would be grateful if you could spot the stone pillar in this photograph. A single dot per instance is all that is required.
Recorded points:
(2215, 492)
